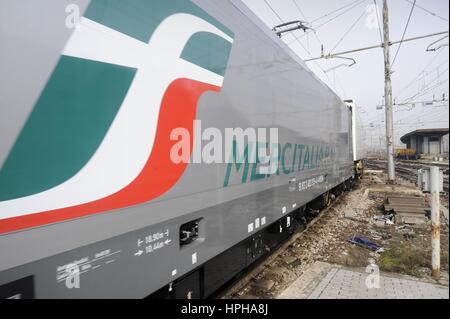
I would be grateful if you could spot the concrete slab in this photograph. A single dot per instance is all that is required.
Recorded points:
(393, 189)
(411, 219)
(326, 281)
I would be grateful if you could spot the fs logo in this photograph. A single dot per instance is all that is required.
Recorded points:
(98, 137)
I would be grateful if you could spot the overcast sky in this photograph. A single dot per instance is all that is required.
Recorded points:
(417, 73)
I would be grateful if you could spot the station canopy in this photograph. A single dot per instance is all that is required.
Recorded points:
(425, 132)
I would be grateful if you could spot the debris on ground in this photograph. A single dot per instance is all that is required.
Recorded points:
(384, 218)
(407, 209)
(364, 242)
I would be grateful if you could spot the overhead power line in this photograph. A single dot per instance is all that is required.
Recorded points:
(315, 28)
(298, 8)
(349, 7)
(376, 46)
(348, 31)
(430, 89)
(421, 115)
(422, 72)
(321, 44)
(432, 82)
(337, 10)
(427, 102)
(431, 47)
(301, 44)
(378, 19)
(306, 19)
(273, 10)
(428, 11)
(404, 33)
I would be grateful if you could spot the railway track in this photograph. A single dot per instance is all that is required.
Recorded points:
(408, 170)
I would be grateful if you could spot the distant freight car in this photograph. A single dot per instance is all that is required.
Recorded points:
(406, 154)
(358, 138)
(95, 99)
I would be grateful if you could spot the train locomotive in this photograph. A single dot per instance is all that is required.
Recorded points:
(91, 204)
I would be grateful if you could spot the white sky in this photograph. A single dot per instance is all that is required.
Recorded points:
(416, 72)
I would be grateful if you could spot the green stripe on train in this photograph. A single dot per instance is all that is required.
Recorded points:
(140, 18)
(67, 125)
(209, 51)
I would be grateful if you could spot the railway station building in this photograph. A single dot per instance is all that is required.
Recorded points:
(428, 142)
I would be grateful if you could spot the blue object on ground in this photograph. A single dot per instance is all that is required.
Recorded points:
(364, 242)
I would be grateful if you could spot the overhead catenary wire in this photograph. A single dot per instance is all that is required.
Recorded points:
(315, 28)
(301, 44)
(378, 20)
(430, 49)
(306, 19)
(424, 102)
(425, 113)
(427, 90)
(302, 13)
(377, 46)
(404, 33)
(439, 73)
(335, 11)
(348, 31)
(352, 5)
(437, 78)
(430, 89)
(416, 116)
(317, 36)
(380, 116)
(299, 9)
(429, 11)
(421, 73)
(273, 10)
(339, 15)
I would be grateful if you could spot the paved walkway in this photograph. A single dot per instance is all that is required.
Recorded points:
(325, 281)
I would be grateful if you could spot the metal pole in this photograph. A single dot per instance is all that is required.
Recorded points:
(371, 144)
(388, 97)
(435, 222)
(380, 139)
